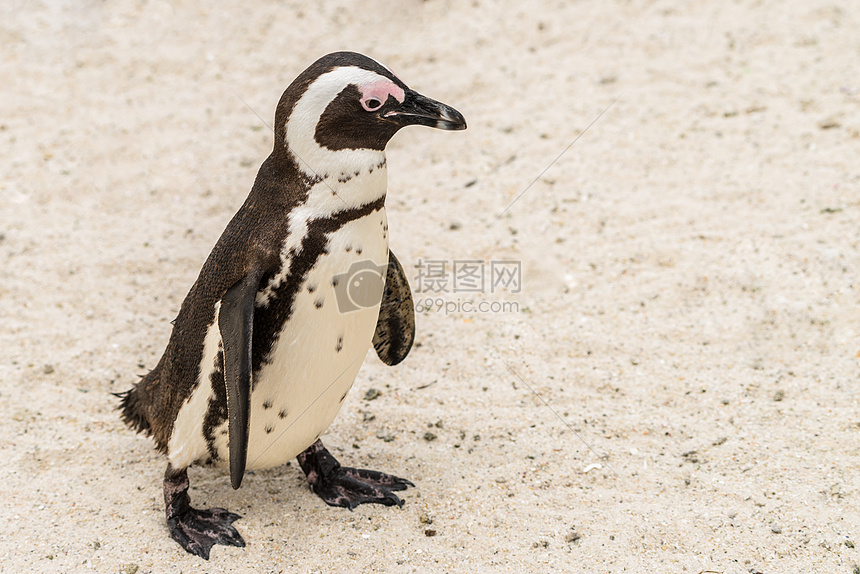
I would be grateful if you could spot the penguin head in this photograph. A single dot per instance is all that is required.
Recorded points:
(348, 102)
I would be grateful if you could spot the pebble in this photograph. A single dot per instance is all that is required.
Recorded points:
(387, 437)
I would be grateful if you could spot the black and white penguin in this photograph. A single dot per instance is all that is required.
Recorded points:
(272, 334)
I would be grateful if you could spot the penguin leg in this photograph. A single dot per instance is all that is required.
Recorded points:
(196, 530)
(348, 487)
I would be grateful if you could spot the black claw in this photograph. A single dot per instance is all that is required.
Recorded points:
(197, 531)
(348, 487)
(377, 478)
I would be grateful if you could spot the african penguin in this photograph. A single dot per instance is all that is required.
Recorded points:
(272, 334)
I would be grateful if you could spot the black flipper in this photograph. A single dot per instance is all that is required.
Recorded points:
(348, 487)
(395, 328)
(236, 323)
(196, 530)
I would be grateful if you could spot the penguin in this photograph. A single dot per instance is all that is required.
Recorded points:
(301, 283)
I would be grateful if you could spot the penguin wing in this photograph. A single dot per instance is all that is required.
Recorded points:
(236, 323)
(395, 328)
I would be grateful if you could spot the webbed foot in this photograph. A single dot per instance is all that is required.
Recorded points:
(197, 531)
(348, 487)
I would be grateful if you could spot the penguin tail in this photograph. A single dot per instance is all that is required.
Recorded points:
(132, 410)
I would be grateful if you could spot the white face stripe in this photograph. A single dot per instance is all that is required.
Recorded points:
(300, 128)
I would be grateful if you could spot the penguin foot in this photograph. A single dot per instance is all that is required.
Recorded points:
(348, 487)
(197, 531)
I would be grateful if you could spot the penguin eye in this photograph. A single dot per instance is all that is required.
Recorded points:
(372, 104)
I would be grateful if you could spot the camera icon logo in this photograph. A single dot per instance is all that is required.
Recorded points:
(361, 287)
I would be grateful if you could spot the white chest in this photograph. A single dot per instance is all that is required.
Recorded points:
(320, 349)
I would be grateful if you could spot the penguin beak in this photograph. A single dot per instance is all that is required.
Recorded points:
(418, 110)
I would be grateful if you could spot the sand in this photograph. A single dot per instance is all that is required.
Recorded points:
(688, 306)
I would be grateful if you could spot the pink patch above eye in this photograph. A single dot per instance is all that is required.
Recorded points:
(380, 91)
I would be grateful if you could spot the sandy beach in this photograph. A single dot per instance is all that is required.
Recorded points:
(658, 373)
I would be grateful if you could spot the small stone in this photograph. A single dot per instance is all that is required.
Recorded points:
(572, 536)
(429, 532)
(387, 437)
(835, 491)
(541, 544)
(501, 480)
(849, 544)
(425, 518)
(690, 456)
(428, 436)
(776, 529)
(721, 440)
(779, 395)
(372, 394)
(368, 416)
(454, 226)
(130, 568)
(48, 369)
